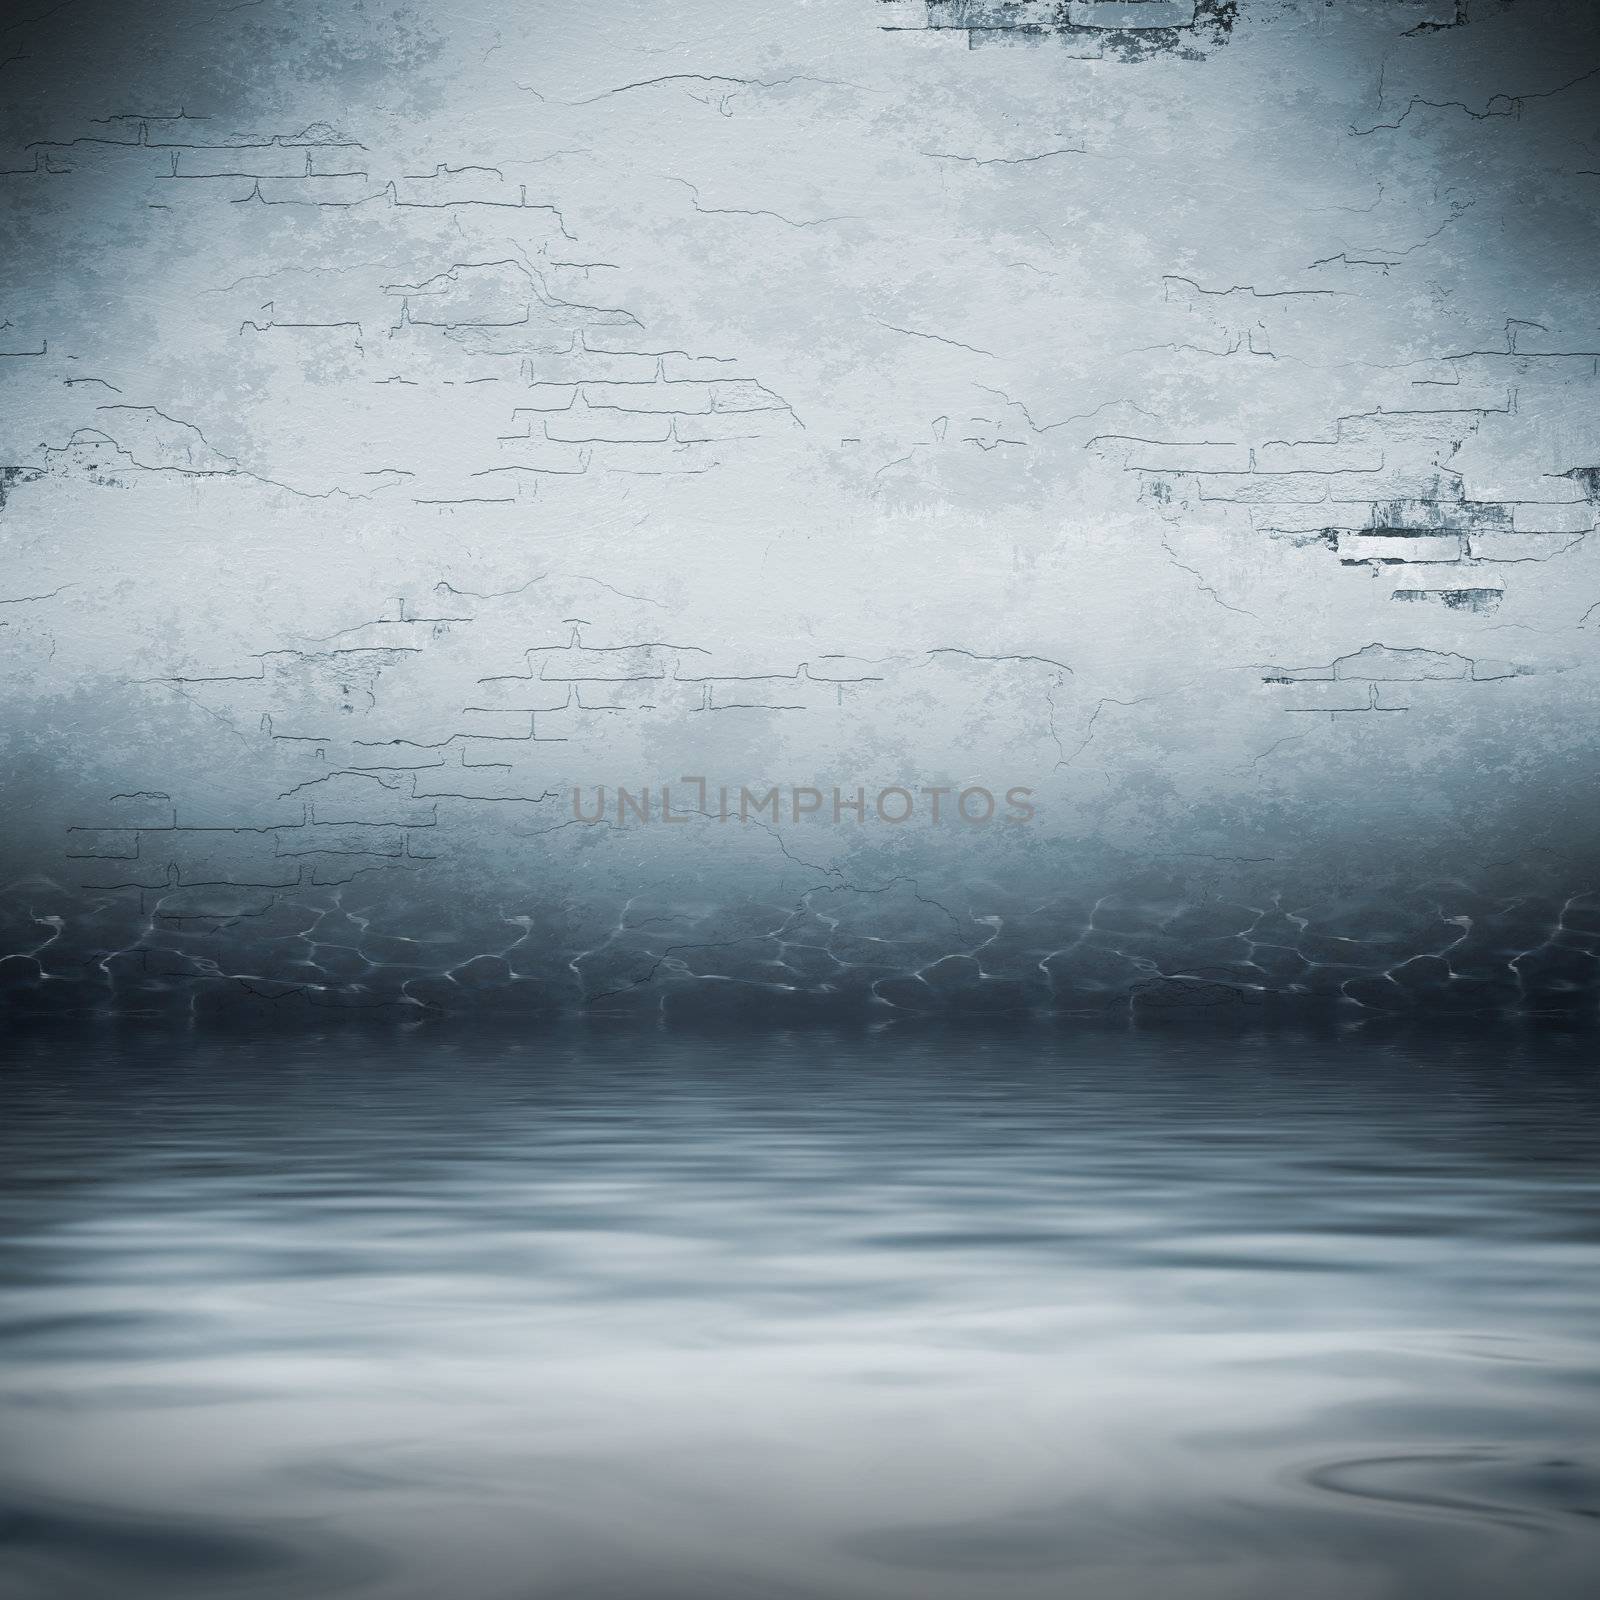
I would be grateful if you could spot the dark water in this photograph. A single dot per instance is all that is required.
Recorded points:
(653, 1316)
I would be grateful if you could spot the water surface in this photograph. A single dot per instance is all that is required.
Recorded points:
(647, 1315)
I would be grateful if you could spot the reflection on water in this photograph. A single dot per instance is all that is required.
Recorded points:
(642, 1316)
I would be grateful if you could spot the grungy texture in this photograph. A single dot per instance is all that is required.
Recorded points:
(419, 418)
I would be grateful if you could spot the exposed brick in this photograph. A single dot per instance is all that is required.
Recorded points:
(250, 161)
(723, 426)
(744, 394)
(1394, 545)
(580, 365)
(326, 191)
(549, 397)
(1442, 576)
(1563, 519)
(112, 844)
(650, 458)
(990, 13)
(1501, 546)
(1246, 489)
(546, 455)
(661, 396)
(1482, 601)
(112, 163)
(1130, 14)
(587, 425)
(1187, 457)
(316, 839)
(1336, 457)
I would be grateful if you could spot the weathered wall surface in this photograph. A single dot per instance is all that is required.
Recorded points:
(418, 416)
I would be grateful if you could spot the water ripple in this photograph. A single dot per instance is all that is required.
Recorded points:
(824, 1315)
